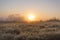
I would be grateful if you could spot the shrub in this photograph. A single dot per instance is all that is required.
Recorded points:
(7, 37)
(13, 31)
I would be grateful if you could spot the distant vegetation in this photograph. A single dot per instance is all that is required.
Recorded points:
(19, 18)
(54, 20)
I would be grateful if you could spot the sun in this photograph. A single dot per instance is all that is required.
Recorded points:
(31, 17)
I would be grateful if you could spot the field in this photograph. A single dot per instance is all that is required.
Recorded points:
(30, 31)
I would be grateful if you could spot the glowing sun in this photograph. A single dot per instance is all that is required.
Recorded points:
(31, 17)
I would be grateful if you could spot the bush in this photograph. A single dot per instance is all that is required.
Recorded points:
(7, 37)
(13, 31)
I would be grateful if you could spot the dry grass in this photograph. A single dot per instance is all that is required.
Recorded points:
(31, 31)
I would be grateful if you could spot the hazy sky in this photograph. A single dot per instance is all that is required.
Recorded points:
(44, 8)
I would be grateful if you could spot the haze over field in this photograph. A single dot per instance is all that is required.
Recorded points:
(43, 9)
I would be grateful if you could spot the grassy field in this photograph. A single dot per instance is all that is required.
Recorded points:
(30, 31)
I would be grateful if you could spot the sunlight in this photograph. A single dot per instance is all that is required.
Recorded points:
(31, 17)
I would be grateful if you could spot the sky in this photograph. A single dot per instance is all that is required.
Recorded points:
(43, 8)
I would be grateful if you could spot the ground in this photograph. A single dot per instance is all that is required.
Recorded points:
(30, 31)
